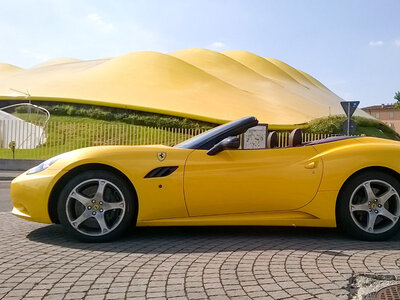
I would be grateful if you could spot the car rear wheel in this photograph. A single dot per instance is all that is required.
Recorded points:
(369, 206)
(96, 206)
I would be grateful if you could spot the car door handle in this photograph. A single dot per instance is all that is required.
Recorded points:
(311, 165)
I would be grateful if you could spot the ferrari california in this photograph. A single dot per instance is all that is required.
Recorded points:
(97, 193)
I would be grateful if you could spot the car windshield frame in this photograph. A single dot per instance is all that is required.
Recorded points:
(208, 139)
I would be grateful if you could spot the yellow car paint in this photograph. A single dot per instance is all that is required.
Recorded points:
(166, 201)
(30, 194)
(351, 155)
(288, 186)
(246, 181)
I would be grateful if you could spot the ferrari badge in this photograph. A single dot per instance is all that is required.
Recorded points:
(161, 156)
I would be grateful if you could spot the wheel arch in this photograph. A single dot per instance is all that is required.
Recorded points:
(363, 170)
(52, 206)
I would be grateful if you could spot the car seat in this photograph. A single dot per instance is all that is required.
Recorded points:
(272, 140)
(295, 138)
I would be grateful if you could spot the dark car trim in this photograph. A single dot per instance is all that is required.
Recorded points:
(161, 172)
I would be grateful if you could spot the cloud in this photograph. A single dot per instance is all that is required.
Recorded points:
(218, 46)
(100, 24)
(397, 43)
(376, 43)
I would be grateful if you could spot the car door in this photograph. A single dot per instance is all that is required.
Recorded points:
(245, 181)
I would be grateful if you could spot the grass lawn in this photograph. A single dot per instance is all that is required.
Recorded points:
(69, 133)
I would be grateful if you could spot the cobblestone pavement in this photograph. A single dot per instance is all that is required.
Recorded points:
(39, 261)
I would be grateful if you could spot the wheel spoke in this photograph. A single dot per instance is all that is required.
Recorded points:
(102, 223)
(82, 218)
(371, 221)
(370, 193)
(85, 201)
(384, 212)
(360, 207)
(100, 190)
(113, 205)
(385, 197)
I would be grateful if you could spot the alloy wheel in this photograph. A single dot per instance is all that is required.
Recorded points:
(375, 206)
(95, 207)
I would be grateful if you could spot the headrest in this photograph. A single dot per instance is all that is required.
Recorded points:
(295, 138)
(272, 140)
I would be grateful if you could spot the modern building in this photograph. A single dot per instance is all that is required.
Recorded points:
(387, 113)
(198, 84)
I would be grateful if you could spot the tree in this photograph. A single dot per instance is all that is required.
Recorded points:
(397, 98)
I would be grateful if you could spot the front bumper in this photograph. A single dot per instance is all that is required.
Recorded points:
(30, 195)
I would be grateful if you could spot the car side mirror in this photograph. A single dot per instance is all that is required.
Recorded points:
(231, 142)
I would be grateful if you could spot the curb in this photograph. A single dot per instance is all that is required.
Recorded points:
(6, 178)
(18, 164)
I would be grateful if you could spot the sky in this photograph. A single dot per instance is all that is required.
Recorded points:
(351, 46)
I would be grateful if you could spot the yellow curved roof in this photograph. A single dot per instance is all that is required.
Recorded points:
(194, 83)
(57, 61)
(7, 69)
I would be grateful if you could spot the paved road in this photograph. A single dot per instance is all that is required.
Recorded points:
(5, 200)
(7, 175)
(40, 261)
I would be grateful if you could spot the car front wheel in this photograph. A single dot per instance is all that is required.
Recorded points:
(96, 206)
(369, 206)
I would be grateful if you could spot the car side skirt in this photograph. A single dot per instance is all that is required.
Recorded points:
(253, 219)
(318, 213)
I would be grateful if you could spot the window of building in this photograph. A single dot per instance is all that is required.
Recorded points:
(391, 115)
(377, 115)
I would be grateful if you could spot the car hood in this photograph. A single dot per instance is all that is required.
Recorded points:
(117, 156)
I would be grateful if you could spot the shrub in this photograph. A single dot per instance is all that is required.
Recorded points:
(333, 124)
(121, 115)
(329, 125)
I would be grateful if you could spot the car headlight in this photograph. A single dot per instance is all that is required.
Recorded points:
(44, 165)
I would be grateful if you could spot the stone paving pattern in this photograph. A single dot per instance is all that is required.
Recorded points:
(40, 262)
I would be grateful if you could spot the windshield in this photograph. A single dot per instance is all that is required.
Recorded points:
(209, 138)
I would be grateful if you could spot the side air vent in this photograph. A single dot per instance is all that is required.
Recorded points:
(161, 172)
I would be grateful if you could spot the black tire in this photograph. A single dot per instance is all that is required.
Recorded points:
(113, 206)
(354, 218)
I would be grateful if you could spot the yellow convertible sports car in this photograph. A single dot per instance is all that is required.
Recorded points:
(96, 193)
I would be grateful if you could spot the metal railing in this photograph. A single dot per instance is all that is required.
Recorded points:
(61, 137)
